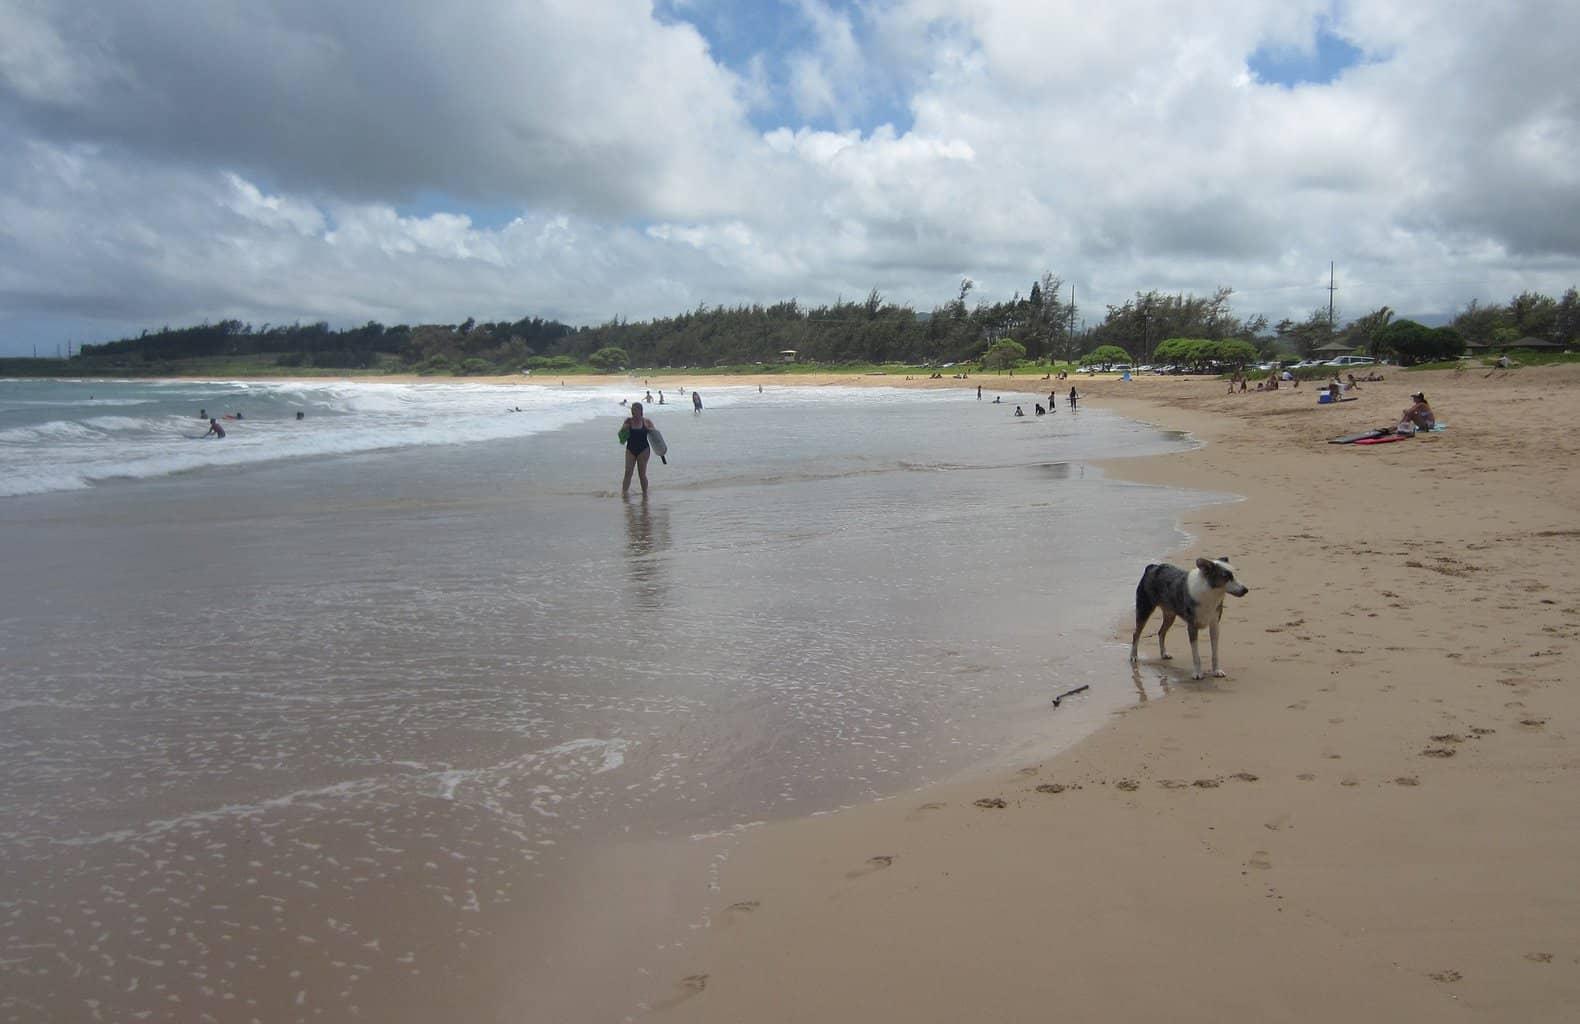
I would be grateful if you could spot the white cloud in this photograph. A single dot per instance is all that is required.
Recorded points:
(172, 159)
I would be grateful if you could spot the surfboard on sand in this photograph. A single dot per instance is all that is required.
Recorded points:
(660, 447)
(1386, 439)
(1352, 438)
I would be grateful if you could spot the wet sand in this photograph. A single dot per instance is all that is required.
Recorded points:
(1374, 817)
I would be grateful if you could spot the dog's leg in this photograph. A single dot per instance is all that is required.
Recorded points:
(1212, 635)
(1195, 652)
(1163, 631)
(1144, 607)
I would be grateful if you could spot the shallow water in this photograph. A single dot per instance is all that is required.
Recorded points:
(309, 729)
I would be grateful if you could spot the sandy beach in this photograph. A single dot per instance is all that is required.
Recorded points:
(1373, 817)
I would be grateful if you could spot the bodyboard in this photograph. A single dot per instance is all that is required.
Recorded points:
(1352, 438)
(624, 435)
(656, 441)
(1386, 439)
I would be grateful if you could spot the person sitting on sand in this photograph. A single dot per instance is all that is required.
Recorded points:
(214, 428)
(1418, 416)
(1351, 384)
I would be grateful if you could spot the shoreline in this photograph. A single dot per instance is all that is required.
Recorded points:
(1373, 815)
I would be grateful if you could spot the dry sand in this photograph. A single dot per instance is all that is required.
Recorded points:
(1375, 817)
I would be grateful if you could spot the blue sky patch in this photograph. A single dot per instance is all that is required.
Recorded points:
(1320, 64)
(773, 31)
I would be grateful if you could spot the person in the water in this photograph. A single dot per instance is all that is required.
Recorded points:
(637, 452)
(214, 428)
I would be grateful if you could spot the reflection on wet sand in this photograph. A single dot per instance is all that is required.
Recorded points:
(646, 541)
(1142, 696)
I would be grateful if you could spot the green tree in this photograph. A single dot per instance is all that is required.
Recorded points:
(1003, 353)
(610, 358)
(1105, 355)
(1417, 343)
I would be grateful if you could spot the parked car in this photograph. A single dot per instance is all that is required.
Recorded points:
(1351, 361)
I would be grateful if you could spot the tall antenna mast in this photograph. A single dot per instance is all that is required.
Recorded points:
(1330, 296)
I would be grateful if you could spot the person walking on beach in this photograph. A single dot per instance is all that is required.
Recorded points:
(979, 392)
(634, 433)
(696, 401)
(1052, 405)
(1073, 397)
(214, 428)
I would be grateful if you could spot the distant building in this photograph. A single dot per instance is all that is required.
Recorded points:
(787, 355)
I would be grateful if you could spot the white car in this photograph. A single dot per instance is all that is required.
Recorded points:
(1351, 361)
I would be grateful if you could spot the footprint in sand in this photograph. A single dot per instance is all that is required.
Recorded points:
(1447, 977)
(735, 910)
(1539, 958)
(685, 988)
(1438, 752)
(1245, 776)
(1407, 780)
(877, 863)
(1051, 787)
(1533, 723)
(1307, 776)
(1261, 860)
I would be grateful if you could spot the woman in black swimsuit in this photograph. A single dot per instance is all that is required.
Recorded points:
(637, 451)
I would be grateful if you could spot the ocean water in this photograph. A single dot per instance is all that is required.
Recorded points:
(298, 723)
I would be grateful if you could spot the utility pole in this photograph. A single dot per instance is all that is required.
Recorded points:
(1330, 298)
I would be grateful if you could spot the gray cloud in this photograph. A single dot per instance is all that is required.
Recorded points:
(166, 160)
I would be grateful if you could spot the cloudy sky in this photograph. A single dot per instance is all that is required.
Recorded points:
(166, 161)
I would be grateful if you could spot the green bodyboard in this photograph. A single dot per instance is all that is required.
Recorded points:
(625, 434)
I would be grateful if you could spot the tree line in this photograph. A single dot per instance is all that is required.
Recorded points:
(1043, 326)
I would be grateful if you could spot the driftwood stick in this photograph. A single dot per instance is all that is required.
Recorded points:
(1070, 693)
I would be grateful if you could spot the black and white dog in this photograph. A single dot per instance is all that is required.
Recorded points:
(1195, 596)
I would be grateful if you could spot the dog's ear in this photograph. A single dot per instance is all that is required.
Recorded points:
(1203, 564)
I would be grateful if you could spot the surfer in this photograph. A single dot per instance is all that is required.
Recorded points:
(696, 401)
(301, 415)
(214, 428)
(637, 451)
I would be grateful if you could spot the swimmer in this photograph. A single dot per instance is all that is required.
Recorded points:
(214, 428)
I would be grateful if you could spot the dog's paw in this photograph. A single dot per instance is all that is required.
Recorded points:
(1198, 675)
(1219, 673)
(1166, 657)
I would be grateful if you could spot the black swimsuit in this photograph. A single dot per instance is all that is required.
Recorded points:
(636, 442)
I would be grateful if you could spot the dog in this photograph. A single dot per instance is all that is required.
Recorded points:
(1195, 596)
